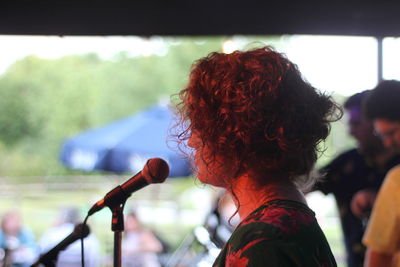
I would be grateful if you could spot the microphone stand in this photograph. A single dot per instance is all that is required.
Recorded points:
(49, 261)
(117, 226)
(7, 258)
(116, 204)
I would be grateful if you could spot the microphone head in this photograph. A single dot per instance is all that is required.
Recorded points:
(81, 230)
(155, 171)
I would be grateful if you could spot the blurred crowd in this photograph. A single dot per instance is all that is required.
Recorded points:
(141, 246)
(19, 247)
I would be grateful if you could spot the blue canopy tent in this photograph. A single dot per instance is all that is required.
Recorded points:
(125, 145)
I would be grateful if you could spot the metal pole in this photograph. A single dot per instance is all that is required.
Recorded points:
(117, 227)
(379, 39)
(117, 248)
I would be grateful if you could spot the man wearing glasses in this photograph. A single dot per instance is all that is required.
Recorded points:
(359, 169)
(382, 236)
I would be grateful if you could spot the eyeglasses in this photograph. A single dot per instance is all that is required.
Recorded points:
(387, 134)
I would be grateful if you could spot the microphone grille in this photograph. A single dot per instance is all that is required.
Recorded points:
(81, 230)
(155, 171)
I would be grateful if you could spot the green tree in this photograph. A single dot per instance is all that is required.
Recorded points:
(44, 101)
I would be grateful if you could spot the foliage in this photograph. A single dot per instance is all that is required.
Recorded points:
(44, 101)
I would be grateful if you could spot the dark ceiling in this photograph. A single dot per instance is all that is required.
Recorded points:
(177, 17)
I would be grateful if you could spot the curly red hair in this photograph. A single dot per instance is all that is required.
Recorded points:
(253, 109)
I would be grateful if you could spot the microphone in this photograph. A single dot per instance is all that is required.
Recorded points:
(48, 259)
(155, 171)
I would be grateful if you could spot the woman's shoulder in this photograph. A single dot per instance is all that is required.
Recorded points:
(395, 171)
(277, 232)
(393, 176)
(271, 223)
(286, 215)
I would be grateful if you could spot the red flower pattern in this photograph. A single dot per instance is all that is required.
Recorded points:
(236, 258)
(288, 221)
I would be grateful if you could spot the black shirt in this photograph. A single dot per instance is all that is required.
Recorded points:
(345, 176)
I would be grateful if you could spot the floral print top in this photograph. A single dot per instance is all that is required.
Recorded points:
(280, 233)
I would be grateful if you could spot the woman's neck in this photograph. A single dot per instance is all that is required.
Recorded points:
(251, 196)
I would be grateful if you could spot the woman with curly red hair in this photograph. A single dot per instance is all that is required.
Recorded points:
(255, 126)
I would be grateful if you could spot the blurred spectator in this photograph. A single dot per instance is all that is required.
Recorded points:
(222, 219)
(359, 169)
(71, 256)
(228, 211)
(140, 246)
(382, 236)
(18, 247)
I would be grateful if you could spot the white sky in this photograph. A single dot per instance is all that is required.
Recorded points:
(331, 63)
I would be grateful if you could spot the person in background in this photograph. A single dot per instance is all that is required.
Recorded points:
(254, 125)
(71, 256)
(140, 246)
(17, 243)
(361, 168)
(382, 236)
(227, 211)
(222, 219)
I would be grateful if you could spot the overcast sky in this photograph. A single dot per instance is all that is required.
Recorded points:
(344, 65)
